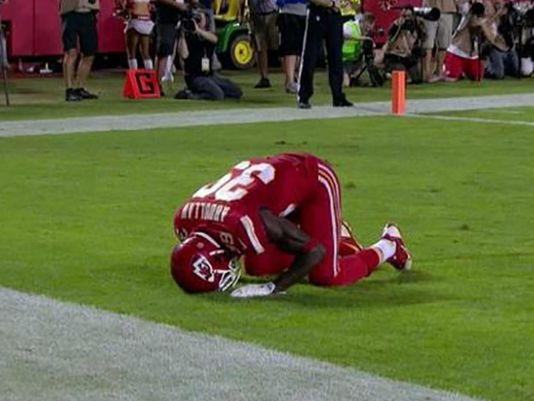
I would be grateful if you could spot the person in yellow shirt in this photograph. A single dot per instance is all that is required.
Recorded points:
(355, 32)
(349, 9)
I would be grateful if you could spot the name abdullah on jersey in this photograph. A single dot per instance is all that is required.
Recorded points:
(204, 211)
(228, 209)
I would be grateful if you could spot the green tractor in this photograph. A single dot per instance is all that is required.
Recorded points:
(234, 46)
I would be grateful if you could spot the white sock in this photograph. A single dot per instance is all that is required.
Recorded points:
(167, 70)
(148, 64)
(387, 248)
(132, 63)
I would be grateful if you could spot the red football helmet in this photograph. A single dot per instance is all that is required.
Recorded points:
(200, 264)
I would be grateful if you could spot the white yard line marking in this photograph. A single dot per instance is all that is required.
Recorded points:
(239, 116)
(61, 351)
(471, 119)
(503, 111)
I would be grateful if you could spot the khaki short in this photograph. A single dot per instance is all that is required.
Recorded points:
(438, 33)
(265, 31)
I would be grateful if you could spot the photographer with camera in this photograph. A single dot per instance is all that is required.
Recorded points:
(463, 55)
(196, 44)
(505, 23)
(517, 28)
(358, 50)
(402, 50)
(78, 19)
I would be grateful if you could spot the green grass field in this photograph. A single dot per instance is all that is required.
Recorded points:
(88, 218)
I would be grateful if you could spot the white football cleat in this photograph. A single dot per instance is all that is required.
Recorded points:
(401, 260)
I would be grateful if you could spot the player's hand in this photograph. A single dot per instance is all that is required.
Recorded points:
(254, 290)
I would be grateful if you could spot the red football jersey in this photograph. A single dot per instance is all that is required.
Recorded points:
(228, 209)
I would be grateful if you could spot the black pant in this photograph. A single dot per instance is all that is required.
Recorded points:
(322, 24)
(166, 39)
(213, 87)
(409, 64)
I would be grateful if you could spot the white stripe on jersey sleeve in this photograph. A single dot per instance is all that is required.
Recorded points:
(333, 221)
(248, 225)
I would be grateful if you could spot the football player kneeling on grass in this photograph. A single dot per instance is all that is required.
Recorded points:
(282, 214)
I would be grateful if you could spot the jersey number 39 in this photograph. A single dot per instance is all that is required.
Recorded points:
(235, 185)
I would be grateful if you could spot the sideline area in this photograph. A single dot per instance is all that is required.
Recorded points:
(239, 116)
(59, 351)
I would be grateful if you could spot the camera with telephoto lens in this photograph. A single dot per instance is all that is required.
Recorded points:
(408, 25)
(375, 77)
(430, 14)
(187, 23)
(517, 26)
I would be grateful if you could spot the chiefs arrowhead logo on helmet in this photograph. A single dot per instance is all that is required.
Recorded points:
(200, 264)
(202, 268)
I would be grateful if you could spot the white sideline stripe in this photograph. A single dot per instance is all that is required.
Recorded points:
(59, 351)
(239, 116)
(473, 119)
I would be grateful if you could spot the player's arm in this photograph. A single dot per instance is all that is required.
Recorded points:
(495, 39)
(204, 34)
(291, 239)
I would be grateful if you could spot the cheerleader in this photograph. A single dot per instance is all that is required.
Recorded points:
(136, 14)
